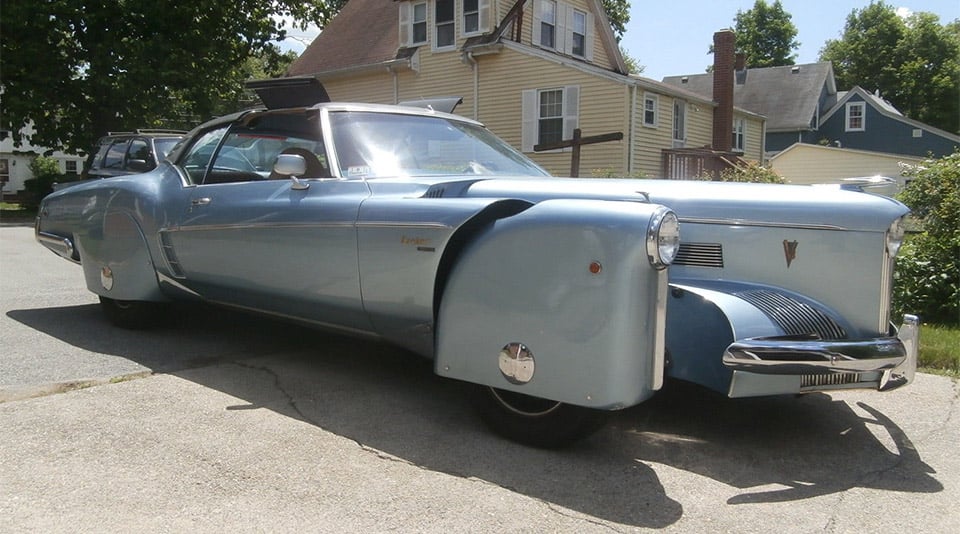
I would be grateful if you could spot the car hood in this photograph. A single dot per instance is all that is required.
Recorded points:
(733, 203)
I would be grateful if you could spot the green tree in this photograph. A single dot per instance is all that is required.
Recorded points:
(914, 62)
(78, 69)
(618, 11)
(766, 35)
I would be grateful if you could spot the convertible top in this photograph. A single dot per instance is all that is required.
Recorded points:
(293, 92)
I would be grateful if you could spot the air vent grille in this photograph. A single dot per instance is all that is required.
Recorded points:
(170, 255)
(700, 255)
(835, 379)
(434, 192)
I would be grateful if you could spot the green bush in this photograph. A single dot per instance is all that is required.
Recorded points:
(928, 268)
(751, 172)
(45, 171)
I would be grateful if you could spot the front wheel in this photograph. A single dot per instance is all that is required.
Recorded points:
(130, 314)
(534, 421)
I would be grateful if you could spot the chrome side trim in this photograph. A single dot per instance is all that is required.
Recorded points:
(764, 224)
(405, 224)
(247, 226)
(660, 341)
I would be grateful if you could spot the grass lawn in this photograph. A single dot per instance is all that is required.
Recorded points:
(940, 350)
(13, 212)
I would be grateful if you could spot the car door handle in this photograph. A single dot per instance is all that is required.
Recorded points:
(200, 201)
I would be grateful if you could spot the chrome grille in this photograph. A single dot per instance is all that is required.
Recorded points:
(700, 255)
(836, 379)
(793, 316)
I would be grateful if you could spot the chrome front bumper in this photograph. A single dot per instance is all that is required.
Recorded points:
(768, 366)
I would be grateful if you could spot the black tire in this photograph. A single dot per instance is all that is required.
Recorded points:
(130, 314)
(534, 421)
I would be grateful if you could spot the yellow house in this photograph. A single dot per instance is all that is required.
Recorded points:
(532, 71)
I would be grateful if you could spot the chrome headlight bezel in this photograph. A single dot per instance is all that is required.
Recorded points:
(663, 238)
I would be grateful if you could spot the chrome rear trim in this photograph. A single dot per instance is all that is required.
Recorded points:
(60, 245)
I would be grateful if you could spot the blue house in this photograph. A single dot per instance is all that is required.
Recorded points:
(802, 105)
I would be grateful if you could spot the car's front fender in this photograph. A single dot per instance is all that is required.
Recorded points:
(559, 302)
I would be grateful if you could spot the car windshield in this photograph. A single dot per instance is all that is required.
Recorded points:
(373, 145)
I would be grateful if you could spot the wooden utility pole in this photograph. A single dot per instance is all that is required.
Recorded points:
(576, 143)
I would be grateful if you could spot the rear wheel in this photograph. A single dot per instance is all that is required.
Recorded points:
(535, 421)
(130, 314)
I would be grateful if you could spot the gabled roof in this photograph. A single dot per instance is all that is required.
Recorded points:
(788, 96)
(364, 33)
(884, 108)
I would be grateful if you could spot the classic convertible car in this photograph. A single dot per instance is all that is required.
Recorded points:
(560, 299)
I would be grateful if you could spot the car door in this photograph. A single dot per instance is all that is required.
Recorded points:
(264, 244)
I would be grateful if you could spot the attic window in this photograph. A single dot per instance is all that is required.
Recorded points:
(419, 23)
(471, 16)
(685, 79)
(446, 27)
(548, 24)
(855, 116)
(795, 69)
(579, 47)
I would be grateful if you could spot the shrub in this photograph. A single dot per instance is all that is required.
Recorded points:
(751, 172)
(928, 269)
(45, 171)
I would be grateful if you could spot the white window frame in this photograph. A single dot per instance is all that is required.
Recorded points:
(530, 131)
(436, 27)
(464, 16)
(409, 21)
(540, 19)
(849, 116)
(739, 134)
(651, 104)
(414, 22)
(573, 32)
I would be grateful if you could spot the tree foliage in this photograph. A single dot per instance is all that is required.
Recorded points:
(618, 11)
(766, 35)
(78, 69)
(928, 269)
(914, 62)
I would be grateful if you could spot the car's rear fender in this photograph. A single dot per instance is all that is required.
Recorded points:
(559, 301)
(116, 260)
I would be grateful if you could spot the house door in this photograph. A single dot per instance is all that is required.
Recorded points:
(679, 124)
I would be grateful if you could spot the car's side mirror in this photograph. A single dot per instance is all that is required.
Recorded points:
(292, 165)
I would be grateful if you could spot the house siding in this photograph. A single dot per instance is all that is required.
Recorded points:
(811, 164)
(604, 108)
(884, 134)
(600, 55)
(374, 88)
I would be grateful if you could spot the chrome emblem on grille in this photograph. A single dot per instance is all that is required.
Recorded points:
(790, 251)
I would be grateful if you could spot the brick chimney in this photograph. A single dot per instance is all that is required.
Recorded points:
(724, 46)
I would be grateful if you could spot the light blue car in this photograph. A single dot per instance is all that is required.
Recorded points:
(561, 299)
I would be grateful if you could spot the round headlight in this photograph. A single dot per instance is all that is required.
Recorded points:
(895, 237)
(663, 238)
